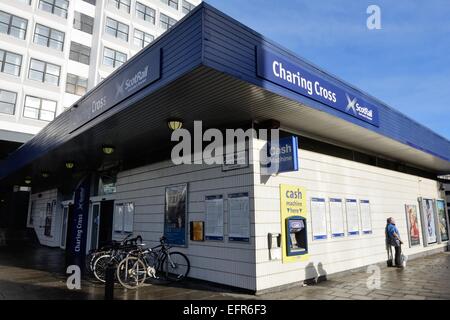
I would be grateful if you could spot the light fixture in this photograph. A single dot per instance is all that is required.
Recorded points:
(45, 174)
(69, 164)
(27, 180)
(174, 124)
(108, 150)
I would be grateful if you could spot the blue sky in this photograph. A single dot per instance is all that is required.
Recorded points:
(406, 64)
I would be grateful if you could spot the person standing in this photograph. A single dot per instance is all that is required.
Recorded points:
(393, 239)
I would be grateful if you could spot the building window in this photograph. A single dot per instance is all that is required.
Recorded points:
(7, 101)
(141, 38)
(28, 2)
(113, 58)
(79, 52)
(13, 25)
(145, 13)
(76, 84)
(83, 22)
(116, 29)
(187, 7)
(44, 72)
(10, 63)
(124, 217)
(122, 5)
(90, 1)
(38, 108)
(166, 22)
(171, 3)
(58, 7)
(48, 37)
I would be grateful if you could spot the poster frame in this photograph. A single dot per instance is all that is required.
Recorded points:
(186, 217)
(408, 225)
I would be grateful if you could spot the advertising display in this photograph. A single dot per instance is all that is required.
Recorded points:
(214, 218)
(351, 206)
(175, 212)
(239, 217)
(366, 219)
(336, 218)
(428, 218)
(292, 206)
(318, 218)
(412, 221)
(442, 219)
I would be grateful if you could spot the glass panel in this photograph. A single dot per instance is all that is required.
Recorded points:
(64, 226)
(32, 102)
(31, 113)
(47, 115)
(8, 96)
(95, 225)
(7, 108)
(49, 105)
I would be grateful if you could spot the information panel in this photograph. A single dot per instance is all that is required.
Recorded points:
(214, 217)
(239, 217)
(366, 220)
(351, 206)
(318, 218)
(336, 218)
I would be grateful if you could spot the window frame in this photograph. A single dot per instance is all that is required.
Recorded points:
(145, 13)
(118, 4)
(170, 4)
(10, 25)
(44, 73)
(6, 102)
(3, 62)
(142, 41)
(116, 30)
(76, 85)
(188, 9)
(82, 46)
(82, 24)
(49, 37)
(40, 108)
(115, 60)
(52, 3)
(169, 19)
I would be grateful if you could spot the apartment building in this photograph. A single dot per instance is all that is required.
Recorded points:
(53, 51)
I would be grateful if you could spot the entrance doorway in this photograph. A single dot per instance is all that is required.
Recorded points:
(100, 224)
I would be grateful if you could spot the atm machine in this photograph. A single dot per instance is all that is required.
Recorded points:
(296, 236)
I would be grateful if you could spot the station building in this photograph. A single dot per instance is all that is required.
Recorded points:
(103, 169)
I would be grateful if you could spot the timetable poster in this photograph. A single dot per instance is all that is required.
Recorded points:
(214, 218)
(239, 217)
(318, 218)
(366, 220)
(351, 206)
(336, 218)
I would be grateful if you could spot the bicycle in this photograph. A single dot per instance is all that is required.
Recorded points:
(157, 262)
(114, 253)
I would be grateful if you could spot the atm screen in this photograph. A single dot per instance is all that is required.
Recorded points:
(297, 236)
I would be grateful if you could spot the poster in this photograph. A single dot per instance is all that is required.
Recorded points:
(318, 218)
(214, 218)
(239, 217)
(412, 222)
(366, 219)
(197, 231)
(128, 217)
(175, 211)
(351, 207)
(336, 218)
(292, 203)
(118, 218)
(48, 220)
(442, 219)
(429, 224)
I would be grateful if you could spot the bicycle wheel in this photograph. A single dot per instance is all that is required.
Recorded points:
(90, 260)
(175, 267)
(131, 272)
(100, 265)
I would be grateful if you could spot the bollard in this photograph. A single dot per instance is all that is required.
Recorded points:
(109, 281)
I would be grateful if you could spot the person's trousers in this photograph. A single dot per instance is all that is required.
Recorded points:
(398, 256)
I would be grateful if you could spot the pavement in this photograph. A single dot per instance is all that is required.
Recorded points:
(36, 272)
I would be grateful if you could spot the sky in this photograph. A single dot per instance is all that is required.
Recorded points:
(405, 64)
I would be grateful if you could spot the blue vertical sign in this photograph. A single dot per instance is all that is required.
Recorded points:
(78, 233)
(284, 157)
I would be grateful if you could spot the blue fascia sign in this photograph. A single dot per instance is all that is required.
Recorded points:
(290, 75)
(284, 157)
(137, 74)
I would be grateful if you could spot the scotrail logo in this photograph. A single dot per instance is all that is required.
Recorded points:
(132, 83)
(357, 109)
